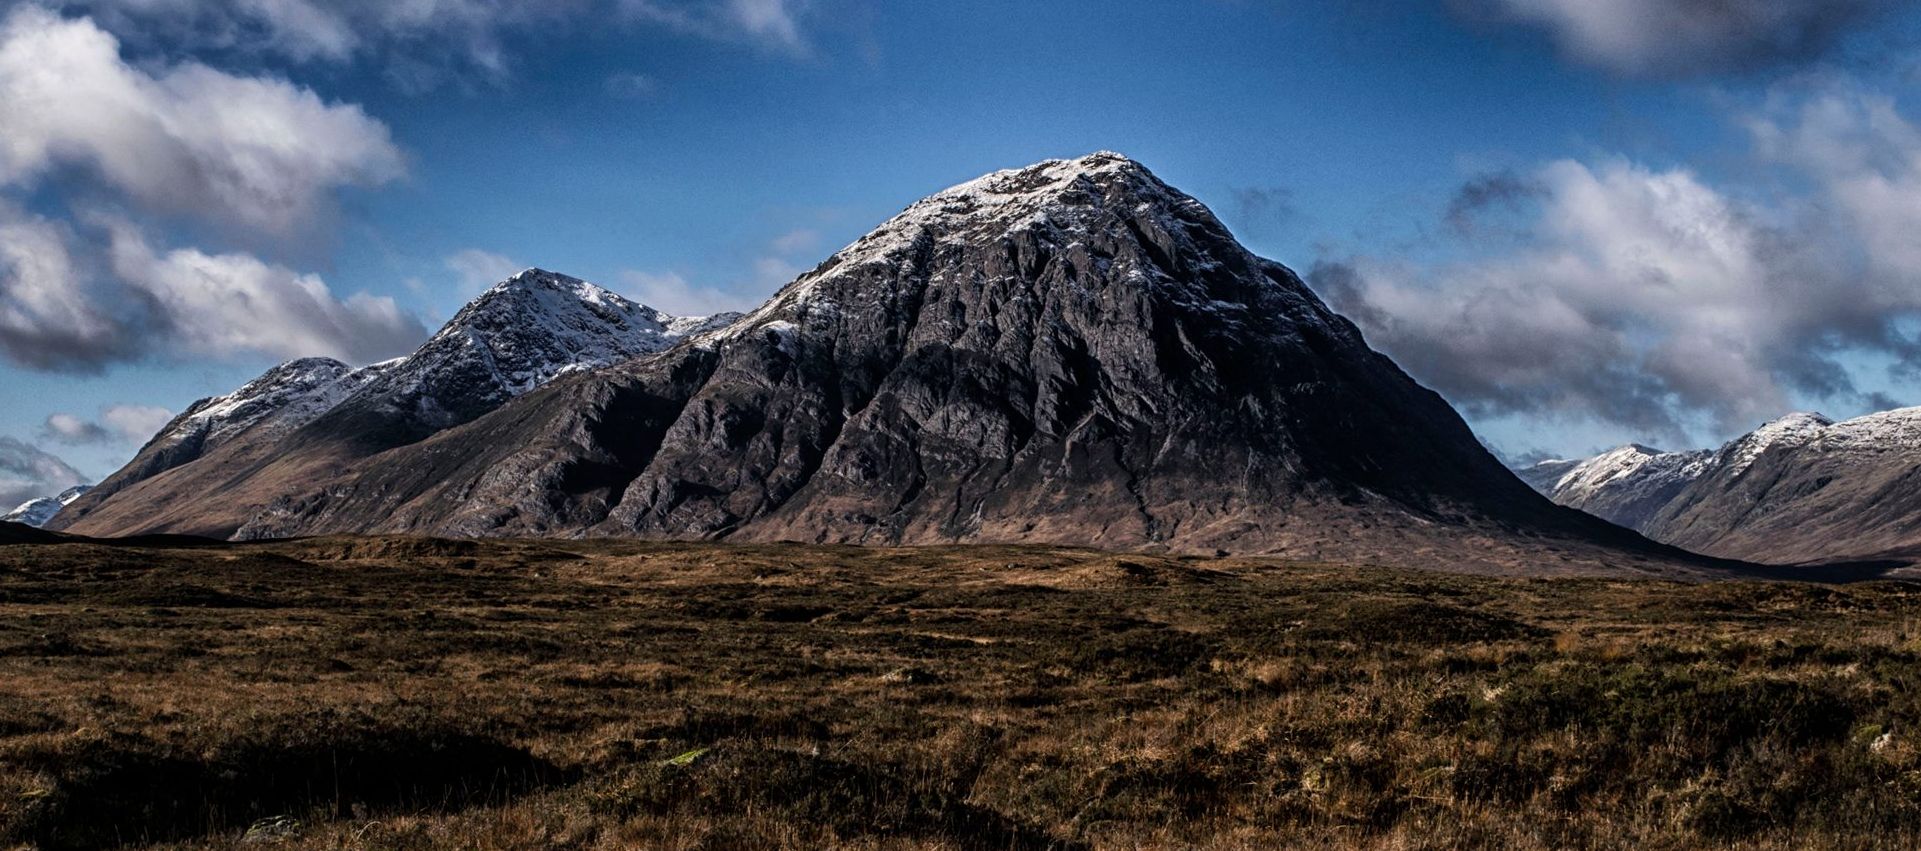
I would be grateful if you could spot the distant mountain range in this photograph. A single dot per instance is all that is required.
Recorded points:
(211, 468)
(1069, 353)
(1802, 488)
(38, 512)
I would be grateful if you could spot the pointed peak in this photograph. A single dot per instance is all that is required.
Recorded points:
(1058, 192)
(1049, 177)
(530, 288)
(536, 277)
(1633, 449)
(309, 364)
(1798, 419)
(1794, 430)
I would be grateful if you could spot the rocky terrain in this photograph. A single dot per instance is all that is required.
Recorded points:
(200, 474)
(1071, 352)
(1802, 488)
(1814, 491)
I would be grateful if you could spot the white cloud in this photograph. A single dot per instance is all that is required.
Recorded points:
(48, 317)
(772, 23)
(476, 270)
(256, 156)
(1666, 37)
(423, 44)
(131, 424)
(135, 423)
(251, 152)
(73, 430)
(1650, 299)
(229, 304)
(669, 292)
(28, 472)
(795, 241)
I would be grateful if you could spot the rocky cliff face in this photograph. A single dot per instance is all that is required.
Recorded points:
(1072, 352)
(210, 469)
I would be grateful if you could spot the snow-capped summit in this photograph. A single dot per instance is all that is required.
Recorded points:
(518, 335)
(538, 324)
(36, 512)
(1800, 487)
(285, 397)
(281, 400)
(1065, 204)
(1888, 431)
(1796, 429)
(1625, 486)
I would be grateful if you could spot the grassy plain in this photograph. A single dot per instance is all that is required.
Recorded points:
(396, 693)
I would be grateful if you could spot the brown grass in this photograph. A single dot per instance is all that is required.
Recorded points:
(347, 693)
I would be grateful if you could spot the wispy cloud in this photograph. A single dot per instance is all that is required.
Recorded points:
(422, 46)
(631, 85)
(476, 270)
(776, 24)
(125, 424)
(29, 472)
(778, 263)
(1685, 37)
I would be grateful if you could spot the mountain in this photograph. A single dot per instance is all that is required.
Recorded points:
(1545, 474)
(1805, 489)
(1069, 353)
(37, 512)
(21, 533)
(300, 419)
(518, 335)
(1625, 486)
(1799, 489)
(282, 399)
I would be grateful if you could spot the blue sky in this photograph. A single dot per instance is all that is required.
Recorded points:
(1584, 222)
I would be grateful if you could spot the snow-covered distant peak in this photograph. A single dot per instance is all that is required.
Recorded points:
(1899, 429)
(284, 398)
(1796, 429)
(1632, 461)
(39, 512)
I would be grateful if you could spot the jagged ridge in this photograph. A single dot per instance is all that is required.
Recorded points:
(1072, 352)
(201, 473)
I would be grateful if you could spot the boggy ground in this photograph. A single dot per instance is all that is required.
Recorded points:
(393, 693)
